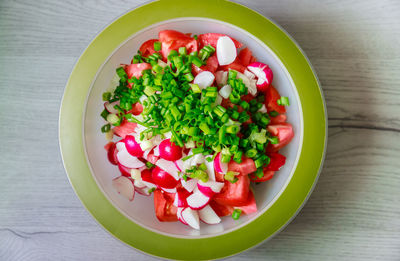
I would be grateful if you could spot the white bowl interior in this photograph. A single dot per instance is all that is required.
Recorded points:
(141, 210)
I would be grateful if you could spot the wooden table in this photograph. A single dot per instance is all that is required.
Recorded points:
(354, 212)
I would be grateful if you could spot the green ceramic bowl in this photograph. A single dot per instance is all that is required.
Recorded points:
(134, 222)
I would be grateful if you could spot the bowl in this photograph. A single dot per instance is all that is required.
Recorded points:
(135, 223)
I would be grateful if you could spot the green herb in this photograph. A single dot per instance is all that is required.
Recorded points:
(236, 214)
(283, 101)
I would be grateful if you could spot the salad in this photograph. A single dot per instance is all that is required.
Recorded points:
(195, 122)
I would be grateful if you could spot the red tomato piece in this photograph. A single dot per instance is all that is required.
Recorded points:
(173, 40)
(281, 118)
(236, 65)
(277, 161)
(125, 128)
(211, 65)
(163, 205)
(234, 194)
(212, 38)
(246, 167)
(268, 174)
(147, 48)
(245, 56)
(250, 206)
(137, 109)
(108, 145)
(219, 177)
(272, 95)
(221, 210)
(248, 97)
(285, 134)
(135, 70)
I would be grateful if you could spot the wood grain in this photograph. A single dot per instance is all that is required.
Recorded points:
(354, 212)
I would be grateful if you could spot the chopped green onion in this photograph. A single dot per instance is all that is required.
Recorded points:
(151, 190)
(237, 157)
(274, 140)
(149, 165)
(157, 46)
(106, 96)
(273, 113)
(105, 128)
(251, 153)
(234, 97)
(259, 162)
(232, 74)
(259, 173)
(245, 105)
(236, 214)
(182, 50)
(104, 114)
(231, 176)
(113, 119)
(283, 101)
(195, 88)
(197, 61)
(233, 129)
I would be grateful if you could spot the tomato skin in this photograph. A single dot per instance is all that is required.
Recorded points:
(211, 65)
(173, 40)
(221, 210)
(250, 206)
(277, 161)
(212, 39)
(234, 194)
(219, 177)
(272, 95)
(236, 65)
(245, 56)
(281, 118)
(135, 70)
(246, 167)
(163, 205)
(248, 97)
(285, 134)
(268, 174)
(147, 48)
(125, 128)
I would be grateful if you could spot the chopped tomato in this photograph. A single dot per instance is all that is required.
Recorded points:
(135, 70)
(272, 95)
(212, 38)
(108, 145)
(245, 56)
(221, 210)
(163, 205)
(173, 40)
(236, 65)
(219, 177)
(248, 97)
(137, 109)
(268, 174)
(281, 118)
(250, 206)
(125, 128)
(246, 167)
(211, 65)
(234, 194)
(147, 48)
(284, 132)
(277, 161)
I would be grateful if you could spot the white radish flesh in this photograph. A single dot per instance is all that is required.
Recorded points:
(168, 166)
(208, 215)
(204, 79)
(225, 91)
(179, 215)
(191, 217)
(189, 185)
(210, 170)
(129, 161)
(110, 107)
(221, 77)
(226, 50)
(197, 200)
(124, 186)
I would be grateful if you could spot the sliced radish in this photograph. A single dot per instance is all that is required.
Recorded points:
(124, 186)
(139, 184)
(189, 185)
(210, 170)
(132, 146)
(168, 190)
(163, 178)
(112, 154)
(249, 83)
(204, 79)
(180, 198)
(209, 188)
(179, 215)
(136, 174)
(129, 161)
(169, 167)
(157, 151)
(226, 50)
(249, 74)
(124, 170)
(197, 200)
(147, 179)
(110, 107)
(221, 77)
(143, 191)
(170, 151)
(179, 164)
(191, 217)
(225, 91)
(208, 215)
(220, 166)
(263, 73)
(120, 145)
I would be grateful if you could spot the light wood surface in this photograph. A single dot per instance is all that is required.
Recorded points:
(354, 212)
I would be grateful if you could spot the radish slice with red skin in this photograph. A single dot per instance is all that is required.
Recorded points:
(263, 73)
(129, 161)
(204, 79)
(143, 191)
(189, 185)
(163, 179)
(209, 188)
(120, 145)
(132, 146)
(168, 190)
(169, 167)
(210, 170)
(147, 180)
(179, 164)
(208, 215)
(170, 151)
(197, 200)
(112, 154)
(124, 170)
(124, 186)
(180, 198)
(191, 217)
(179, 215)
(139, 184)
(220, 166)
(226, 50)
(110, 107)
